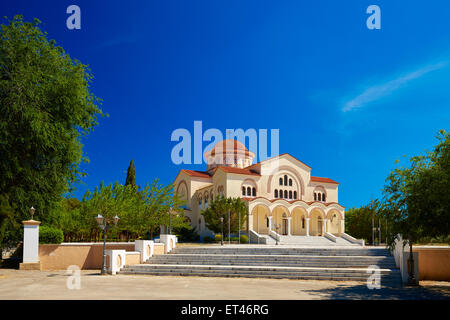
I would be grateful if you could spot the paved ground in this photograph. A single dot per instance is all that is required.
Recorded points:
(16, 284)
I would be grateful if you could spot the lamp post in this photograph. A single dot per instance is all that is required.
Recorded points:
(277, 226)
(411, 276)
(105, 225)
(32, 211)
(170, 220)
(229, 227)
(221, 221)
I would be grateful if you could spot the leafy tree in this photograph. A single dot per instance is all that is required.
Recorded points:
(131, 175)
(358, 222)
(416, 199)
(219, 208)
(46, 107)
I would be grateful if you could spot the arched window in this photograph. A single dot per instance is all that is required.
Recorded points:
(295, 194)
(254, 192)
(290, 194)
(323, 197)
(243, 191)
(290, 182)
(303, 223)
(281, 193)
(249, 191)
(276, 193)
(319, 196)
(285, 180)
(315, 196)
(281, 181)
(285, 194)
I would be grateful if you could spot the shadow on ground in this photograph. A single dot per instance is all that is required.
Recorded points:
(362, 292)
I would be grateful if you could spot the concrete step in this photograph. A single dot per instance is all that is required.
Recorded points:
(281, 251)
(387, 275)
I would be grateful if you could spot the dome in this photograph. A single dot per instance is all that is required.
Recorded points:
(229, 152)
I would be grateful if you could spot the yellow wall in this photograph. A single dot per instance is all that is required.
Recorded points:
(434, 264)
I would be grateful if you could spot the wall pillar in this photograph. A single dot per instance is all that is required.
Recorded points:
(307, 227)
(289, 226)
(270, 223)
(324, 226)
(30, 245)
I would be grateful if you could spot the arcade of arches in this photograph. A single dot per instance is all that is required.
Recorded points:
(296, 221)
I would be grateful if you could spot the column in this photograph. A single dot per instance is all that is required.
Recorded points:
(324, 226)
(30, 245)
(289, 226)
(307, 227)
(270, 223)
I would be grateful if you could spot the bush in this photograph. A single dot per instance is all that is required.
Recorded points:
(50, 235)
(218, 238)
(244, 238)
(208, 239)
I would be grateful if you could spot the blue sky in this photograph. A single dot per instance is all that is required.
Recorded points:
(348, 101)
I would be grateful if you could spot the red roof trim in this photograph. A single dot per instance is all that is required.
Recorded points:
(324, 180)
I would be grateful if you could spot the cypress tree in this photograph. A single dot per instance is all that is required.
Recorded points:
(131, 175)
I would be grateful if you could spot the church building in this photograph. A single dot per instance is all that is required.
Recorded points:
(283, 198)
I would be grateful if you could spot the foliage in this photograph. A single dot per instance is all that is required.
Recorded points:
(46, 108)
(416, 202)
(131, 175)
(208, 239)
(220, 207)
(50, 235)
(244, 238)
(218, 238)
(358, 222)
(186, 234)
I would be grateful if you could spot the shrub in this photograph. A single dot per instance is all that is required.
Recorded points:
(50, 235)
(218, 238)
(244, 238)
(208, 239)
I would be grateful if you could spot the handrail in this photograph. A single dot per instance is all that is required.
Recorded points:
(330, 236)
(352, 240)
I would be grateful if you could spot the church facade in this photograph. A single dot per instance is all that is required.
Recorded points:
(282, 196)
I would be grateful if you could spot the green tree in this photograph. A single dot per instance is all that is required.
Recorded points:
(46, 107)
(416, 200)
(131, 175)
(219, 208)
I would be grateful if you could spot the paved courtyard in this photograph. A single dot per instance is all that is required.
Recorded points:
(16, 284)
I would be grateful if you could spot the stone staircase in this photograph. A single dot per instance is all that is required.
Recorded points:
(267, 261)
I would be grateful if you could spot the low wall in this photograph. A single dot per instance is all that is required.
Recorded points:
(159, 248)
(434, 262)
(84, 255)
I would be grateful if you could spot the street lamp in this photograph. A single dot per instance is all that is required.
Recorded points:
(277, 226)
(221, 221)
(32, 211)
(411, 277)
(105, 225)
(170, 220)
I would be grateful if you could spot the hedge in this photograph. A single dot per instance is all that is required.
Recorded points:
(50, 235)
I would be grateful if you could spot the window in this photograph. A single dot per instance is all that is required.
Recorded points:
(243, 191)
(323, 197)
(285, 194)
(249, 191)
(281, 181)
(290, 182)
(315, 197)
(276, 193)
(295, 194)
(281, 193)
(285, 180)
(267, 221)
(254, 192)
(303, 223)
(290, 194)
(319, 197)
